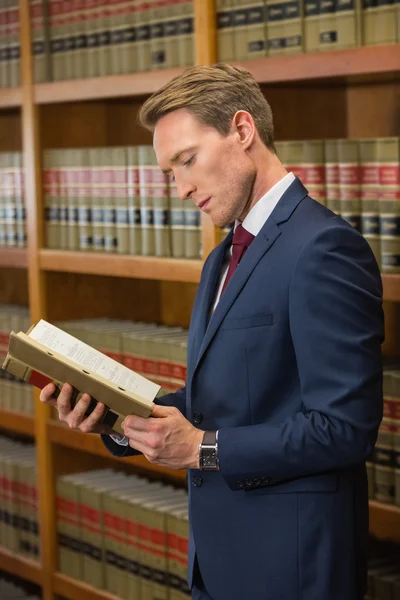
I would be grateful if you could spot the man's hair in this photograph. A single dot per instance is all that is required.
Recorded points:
(213, 94)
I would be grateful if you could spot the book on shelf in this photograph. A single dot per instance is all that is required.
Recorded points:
(47, 354)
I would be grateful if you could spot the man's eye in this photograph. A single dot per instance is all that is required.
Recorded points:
(189, 161)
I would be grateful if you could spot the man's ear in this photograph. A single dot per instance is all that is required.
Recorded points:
(243, 125)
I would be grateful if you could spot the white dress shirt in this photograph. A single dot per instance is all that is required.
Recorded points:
(253, 223)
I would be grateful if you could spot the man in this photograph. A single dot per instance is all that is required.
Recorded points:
(284, 361)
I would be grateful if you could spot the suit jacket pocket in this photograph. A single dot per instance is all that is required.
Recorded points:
(327, 482)
(247, 322)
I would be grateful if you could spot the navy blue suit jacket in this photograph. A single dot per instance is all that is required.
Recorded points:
(288, 369)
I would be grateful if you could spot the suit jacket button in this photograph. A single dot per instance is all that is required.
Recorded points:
(240, 484)
(197, 418)
(197, 481)
(266, 479)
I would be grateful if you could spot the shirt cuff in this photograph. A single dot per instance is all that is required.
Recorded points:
(120, 439)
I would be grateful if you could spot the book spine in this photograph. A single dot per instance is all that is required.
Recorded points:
(69, 529)
(332, 176)
(338, 22)
(171, 29)
(312, 10)
(84, 212)
(314, 169)
(103, 24)
(115, 547)
(349, 182)
(186, 35)
(92, 535)
(79, 42)
(107, 189)
(389, 183)
(19, 200)
(143, 38)
(379, 22)
(369, 167)
(225, 31)
(257, 30)
(157, 19)
(3, 46)
(14, 44)
(120, 194)
(284, 27)
(177, 223)
(192, 220)
(384, 467)
(92, 38)
(11, 205)
(135, 230)
(95, 158)
(146, 200)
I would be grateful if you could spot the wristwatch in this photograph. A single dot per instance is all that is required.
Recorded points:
(208, 452)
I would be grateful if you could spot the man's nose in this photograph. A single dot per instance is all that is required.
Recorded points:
(185, 190)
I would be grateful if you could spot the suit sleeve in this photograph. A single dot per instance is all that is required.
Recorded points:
(336, 322)
(177, 399)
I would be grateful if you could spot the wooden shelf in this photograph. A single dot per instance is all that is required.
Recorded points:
(97, 88)
(10, 97)
(76, 590)
(14, 257)
(141, 267)
(17, 422)
(61, 434)
(391, 287)
(384, 521)
(364, 64)
(20, 566)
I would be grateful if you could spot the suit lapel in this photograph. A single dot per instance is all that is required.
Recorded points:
(258, 248)
(207, 290)
(261, 244)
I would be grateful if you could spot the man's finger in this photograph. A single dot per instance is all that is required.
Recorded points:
(77, 415)
(64, 401)
(47, 393)
(93, 420)
(162, 411)
(136, 423)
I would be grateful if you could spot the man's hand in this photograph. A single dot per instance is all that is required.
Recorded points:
(75, 418)
(166, 438)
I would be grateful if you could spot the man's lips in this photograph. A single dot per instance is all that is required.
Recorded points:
(203, 203)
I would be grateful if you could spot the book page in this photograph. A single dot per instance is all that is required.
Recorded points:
(94, 361)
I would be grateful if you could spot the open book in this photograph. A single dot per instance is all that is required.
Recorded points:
(46, 354)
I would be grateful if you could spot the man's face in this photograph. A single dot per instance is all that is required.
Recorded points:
(213, 170)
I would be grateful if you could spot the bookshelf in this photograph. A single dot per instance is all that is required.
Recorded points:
(139, 267)
(13, 257)
(20, 566)
(17, 422)
(357, 89)
(10, 98)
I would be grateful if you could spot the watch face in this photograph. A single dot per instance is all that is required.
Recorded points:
(209, 457)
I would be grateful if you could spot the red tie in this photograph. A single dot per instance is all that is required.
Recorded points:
(240, 242)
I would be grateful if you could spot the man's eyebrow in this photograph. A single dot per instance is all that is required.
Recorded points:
(176, 156)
